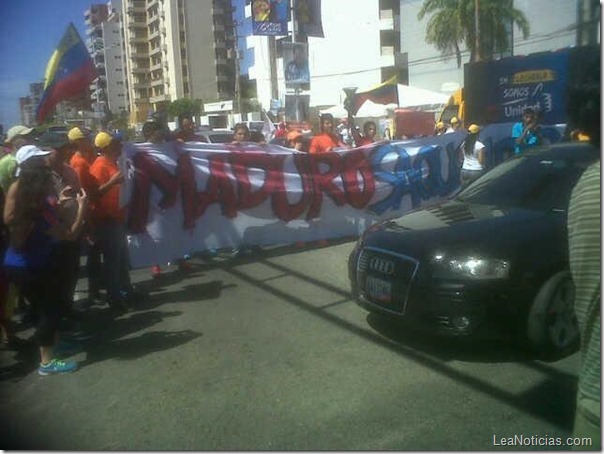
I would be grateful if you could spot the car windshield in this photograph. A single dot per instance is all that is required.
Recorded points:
(533, 182)
(221, 137)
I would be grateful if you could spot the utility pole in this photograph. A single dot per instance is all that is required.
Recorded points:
(297, 90)
(478, 52)
(235, 51)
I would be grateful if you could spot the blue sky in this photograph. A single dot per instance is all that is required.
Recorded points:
(30, 32)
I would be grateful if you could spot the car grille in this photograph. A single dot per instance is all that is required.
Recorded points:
(385, 278)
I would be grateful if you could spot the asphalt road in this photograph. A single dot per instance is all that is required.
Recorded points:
(269, 352)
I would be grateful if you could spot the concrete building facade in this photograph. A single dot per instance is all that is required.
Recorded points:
(176, 49)
(104, 42)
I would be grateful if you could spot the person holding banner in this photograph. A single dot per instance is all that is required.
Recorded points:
(474, 157)
(109, 222)
(241, 133)
(186, 130)
(369, 132)
(326, 140)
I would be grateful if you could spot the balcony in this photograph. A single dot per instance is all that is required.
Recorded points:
(155, 67)
(154, 34)
(389, 21)
(140, 39)
(387, 56)
(137, 24)
(140, 69)
(159, 98)
(141, 85)
(151, 3)
(156, 50)
(157, 82)
(132, 8)
(139, 53)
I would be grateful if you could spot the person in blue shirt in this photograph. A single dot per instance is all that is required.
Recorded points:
(526, 133)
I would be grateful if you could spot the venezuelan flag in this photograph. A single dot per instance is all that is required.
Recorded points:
(69, 72)
(384, 93)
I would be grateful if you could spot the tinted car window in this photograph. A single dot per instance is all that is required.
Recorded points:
(532, 182)
(226, 137)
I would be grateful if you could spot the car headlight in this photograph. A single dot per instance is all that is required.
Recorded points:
(473, 267)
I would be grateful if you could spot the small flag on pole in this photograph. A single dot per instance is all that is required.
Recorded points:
(268, 128)
(69, 72)
(385, 93)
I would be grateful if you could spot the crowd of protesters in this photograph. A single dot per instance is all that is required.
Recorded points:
(60, 197)
(60, 194)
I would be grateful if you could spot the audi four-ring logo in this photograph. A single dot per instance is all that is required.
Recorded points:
(381, 265)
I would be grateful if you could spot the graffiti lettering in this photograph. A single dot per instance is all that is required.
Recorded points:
(230, 187)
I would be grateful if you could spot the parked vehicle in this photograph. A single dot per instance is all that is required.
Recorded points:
(217, 136)
(491, 261)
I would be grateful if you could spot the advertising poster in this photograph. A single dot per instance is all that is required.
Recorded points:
(270, 17)
(502, 89)
(295, 66)
(308, 14)
(297, 107)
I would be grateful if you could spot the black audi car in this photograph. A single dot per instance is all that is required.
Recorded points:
(491, 261)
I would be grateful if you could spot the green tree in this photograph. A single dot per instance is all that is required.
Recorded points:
(452, 25)
(185, 106)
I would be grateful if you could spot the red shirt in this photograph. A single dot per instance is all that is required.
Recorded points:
(82, 167)
(324, 142)
(107, 206)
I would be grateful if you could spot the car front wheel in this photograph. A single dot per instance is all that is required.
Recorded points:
(552, 327)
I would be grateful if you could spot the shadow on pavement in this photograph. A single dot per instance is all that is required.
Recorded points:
(137, 347)
(448, 348)
(187, 293)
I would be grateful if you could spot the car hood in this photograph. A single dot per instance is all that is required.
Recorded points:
(471, 228)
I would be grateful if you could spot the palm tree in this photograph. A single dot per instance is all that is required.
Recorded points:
(444, 28)
(452, 24)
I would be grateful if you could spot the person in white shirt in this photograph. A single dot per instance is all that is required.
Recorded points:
(474, 154)
(454, 126)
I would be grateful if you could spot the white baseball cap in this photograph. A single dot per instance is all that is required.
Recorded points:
(27, 152)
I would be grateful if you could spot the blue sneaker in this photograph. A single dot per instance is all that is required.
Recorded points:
(57, 367)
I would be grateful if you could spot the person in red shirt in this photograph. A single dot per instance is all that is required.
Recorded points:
(326, 140)
(81, 160)
(109, 222)
(369, 131)
(281, 130)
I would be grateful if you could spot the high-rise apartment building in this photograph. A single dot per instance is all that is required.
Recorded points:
(104, 42)
(176, 49)
(29, 104)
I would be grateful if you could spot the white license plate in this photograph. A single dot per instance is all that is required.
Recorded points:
(378, 289)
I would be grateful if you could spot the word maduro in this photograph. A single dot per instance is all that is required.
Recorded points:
(347, 178)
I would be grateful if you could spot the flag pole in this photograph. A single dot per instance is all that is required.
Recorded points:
(294, 5)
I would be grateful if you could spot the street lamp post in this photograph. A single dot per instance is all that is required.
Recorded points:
(348, 105)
